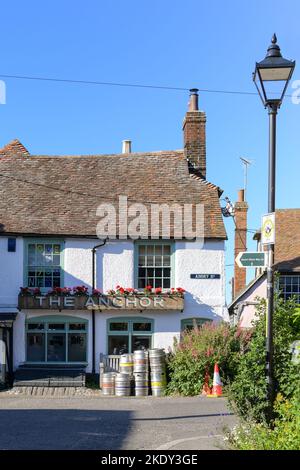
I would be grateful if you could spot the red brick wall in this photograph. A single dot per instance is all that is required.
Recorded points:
(240, 242)
(195, 139)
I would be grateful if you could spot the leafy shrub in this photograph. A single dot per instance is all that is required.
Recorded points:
(198, 350)
(248, 391)
(285, 434)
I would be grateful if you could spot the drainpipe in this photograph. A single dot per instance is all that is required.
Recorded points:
(94, 250)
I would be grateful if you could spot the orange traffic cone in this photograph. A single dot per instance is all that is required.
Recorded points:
(206, 388)
(217, 384)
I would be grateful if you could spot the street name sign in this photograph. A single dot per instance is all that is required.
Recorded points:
(268, 229)
(205, 276)
(247, 259)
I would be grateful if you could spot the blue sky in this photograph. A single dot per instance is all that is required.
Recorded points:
(187, 44)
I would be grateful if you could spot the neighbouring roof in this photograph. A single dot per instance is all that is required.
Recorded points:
(287, 246)
(287, 241)
(59, 195)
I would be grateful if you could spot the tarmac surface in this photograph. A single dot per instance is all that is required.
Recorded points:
(112, 423)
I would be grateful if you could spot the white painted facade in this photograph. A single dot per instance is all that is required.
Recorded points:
(204, 298)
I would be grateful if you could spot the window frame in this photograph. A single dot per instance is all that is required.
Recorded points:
(44, 241)
(147, 242)
(282, 292)
(129, 332)
(189, 321)
(57, 319)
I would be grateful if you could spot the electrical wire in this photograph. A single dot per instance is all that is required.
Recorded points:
(131, 85)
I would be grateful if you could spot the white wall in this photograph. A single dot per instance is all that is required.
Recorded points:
(11, 272)
(115, 265)
(204, 297)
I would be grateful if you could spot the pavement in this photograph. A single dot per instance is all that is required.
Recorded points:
(113, 423)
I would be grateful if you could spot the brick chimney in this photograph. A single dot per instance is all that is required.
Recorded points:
(240, 240)
(194, 135)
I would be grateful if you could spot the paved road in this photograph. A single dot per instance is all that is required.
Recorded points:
(28, 422)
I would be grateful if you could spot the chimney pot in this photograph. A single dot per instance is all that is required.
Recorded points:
(193, 103)
(126, 146)
(241, 195)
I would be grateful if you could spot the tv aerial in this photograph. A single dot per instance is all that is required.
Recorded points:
(246, 164)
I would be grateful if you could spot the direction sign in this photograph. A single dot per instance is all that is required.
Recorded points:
(248, 259)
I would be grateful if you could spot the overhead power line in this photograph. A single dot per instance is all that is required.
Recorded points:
(131, 85)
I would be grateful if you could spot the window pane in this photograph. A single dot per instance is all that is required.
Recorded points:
(142, 261)
(118, 344)
(142, 283)
(56, 249)
(166, 283)
(77, 326)
(77, 347)
(36, 326)
(56, 326)
(158, 260)
(36, 347)
(142, 326)
(141, 343)
(142, 249)
(167, 261)
(31, 255)
(56, 347)
(158, 250)
(150, 261)
(167, 249)
(150, 250)
(118, 326)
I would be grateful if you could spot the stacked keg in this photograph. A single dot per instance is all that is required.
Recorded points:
(123, 380)
(108, 385)
(157, 358)
(140, 372)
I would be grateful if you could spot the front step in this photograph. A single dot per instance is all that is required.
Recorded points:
(26, 376)
(48, 391)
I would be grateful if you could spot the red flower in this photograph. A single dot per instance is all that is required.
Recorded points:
(148, 288)
(121, 290)
(158, 290)
(96, 291)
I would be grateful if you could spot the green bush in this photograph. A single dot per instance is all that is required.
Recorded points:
(285, 433)
(198, 350)
(247, 393)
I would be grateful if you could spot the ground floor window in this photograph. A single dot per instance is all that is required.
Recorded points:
(54, 339)
(190, 323)
(289, 286)
(126, 335)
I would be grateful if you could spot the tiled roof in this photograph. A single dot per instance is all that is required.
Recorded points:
(59, 195)
(287, 240)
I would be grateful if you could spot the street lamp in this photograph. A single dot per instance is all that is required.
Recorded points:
(271, 77)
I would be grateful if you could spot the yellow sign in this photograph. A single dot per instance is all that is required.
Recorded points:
(268, 229)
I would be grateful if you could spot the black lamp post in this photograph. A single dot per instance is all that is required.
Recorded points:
(271, 77)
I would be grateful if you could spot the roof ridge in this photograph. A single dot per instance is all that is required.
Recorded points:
(93, 155)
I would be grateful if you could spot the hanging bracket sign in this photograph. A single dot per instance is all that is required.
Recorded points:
(268, 229)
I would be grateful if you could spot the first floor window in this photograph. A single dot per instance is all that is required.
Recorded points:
(43, 264)
(129, 335)
(289, 286)
(189, 323)
(57, 341)
(154, 265)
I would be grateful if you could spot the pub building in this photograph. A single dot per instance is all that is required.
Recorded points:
(69, 309)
